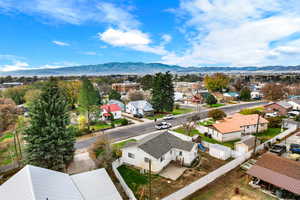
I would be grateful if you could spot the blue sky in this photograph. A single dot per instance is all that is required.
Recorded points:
(58, 33)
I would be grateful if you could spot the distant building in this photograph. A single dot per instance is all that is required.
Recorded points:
(121, 104)
(230, 96)
(125, 87)
(187, 87)
(140, 107)
(36, 183)
(111, 109)
(10, 84)
(280, 107)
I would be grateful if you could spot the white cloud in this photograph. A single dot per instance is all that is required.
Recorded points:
(166, 38)
(236, 33)
(90, 53)
(18, 65)
(60, 43)
(134, 39)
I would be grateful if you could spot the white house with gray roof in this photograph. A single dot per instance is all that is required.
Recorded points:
(161, 148)
(141, 107)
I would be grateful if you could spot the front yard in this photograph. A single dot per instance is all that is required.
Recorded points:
(161, 187)
(174, 112)
(205, 138)
(268, 134)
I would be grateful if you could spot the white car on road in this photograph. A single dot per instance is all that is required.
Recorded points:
(163, 125)
(168, 117)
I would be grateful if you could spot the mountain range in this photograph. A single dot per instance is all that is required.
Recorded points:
(140, 68)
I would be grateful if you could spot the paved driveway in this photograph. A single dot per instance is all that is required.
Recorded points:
(81, 163)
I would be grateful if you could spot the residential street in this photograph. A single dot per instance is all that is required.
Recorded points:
(148, 127)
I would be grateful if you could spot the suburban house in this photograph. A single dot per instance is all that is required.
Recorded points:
(36, 183)
(121, 104)
(141, 107)
(295, 103)
(235, 126)
(161, 148)
(280, 107)
(125, 87)
(111, 109)
(231, 96)
(246, 144)
(279, 175)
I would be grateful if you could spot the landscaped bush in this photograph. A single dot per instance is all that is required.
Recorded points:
(275, 122)
(217, 114)
(124, 122)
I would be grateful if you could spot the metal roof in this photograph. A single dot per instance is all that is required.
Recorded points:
(36, 183)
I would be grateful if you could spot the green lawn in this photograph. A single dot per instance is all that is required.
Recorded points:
(207, 122)
(174, 112)
(216, 105)
(121, 144)
(205, 138)
(249, 111)
(132, 177)
(268, 134)
(101, 126)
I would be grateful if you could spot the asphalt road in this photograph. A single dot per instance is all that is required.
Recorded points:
(148, 127)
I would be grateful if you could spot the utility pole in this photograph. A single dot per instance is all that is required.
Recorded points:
(255, 140)
(150, 191)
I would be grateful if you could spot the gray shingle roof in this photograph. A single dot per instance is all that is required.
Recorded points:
(142, 104)
(159, 144)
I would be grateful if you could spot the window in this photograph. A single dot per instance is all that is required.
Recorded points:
(130, 155)
(180, 153)
(162, 158)
(146, 160)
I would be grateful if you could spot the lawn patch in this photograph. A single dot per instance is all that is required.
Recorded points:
(216, 105)
(122, 144)
(132, 177)
(268, 134)
(208, 122)
(174, 112)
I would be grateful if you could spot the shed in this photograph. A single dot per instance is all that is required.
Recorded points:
(219, 151)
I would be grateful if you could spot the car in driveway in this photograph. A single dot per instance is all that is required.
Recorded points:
(163, 125)
(138, 115)
(278, 149)
(273, 114)
(168, 117)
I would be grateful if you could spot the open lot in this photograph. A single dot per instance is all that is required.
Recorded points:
(162, 187)
(226, 188)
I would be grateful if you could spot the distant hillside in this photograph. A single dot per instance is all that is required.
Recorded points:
(140, 68)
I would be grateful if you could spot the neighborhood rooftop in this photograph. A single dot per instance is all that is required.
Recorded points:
(235, 122)
(279, 171)
(160, 143)
(36, 183)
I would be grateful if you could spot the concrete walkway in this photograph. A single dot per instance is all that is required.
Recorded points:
(81, 163)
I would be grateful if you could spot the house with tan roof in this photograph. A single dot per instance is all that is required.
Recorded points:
(278, 175)
(235, 126)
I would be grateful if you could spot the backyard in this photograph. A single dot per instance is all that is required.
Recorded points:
(7, 152)
(162, 187)
(233, 180)
(205, 138)
(174, 112)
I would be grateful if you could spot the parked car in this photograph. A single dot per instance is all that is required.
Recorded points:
(295, 148)
(168, 117)
(163, 125)
(293, 114)
(278, 149)
(273, 114)
(138, 115)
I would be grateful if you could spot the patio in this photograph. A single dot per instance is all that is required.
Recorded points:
(172, 172)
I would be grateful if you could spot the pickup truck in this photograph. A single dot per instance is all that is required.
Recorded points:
(278, 149)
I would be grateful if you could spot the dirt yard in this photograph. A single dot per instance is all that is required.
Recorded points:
(162, 187)
(232, 186)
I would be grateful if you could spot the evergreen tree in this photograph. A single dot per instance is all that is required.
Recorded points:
(115, 95)
(163, 92)
(49, 140)
(88, 98)
(245, 94)
(211, 99)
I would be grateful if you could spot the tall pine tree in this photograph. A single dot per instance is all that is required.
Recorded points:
(163, 92)
(88, 98)
(50, 142)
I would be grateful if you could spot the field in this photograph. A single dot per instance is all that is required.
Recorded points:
(162, 187)
(232, 180)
